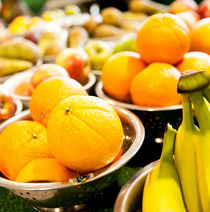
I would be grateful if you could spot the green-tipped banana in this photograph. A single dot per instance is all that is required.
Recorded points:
(186, 139)
(162, 190)
(193, 80)
(202, 150)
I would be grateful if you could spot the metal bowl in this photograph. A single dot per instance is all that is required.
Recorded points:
(154, 120)
(13, 82)
(130, 197)
(4, 78)
(78, 190)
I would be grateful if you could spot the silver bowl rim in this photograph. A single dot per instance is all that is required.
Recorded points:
(100, 93)
(126, 190)
(8, 83)
(138, 141)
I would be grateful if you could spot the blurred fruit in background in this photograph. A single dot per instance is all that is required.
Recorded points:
(50, 15)
(77, 37)
(163, 38)
(189, 17)
(112, 16)
(200, 36)
(24, 88)
(7, 105)
(72, 9)
(147, 6)
(126, 43)
(155, 86)
(204, 9)
(51, 43)
(197, 61)
(118, 72)
(183, 5)
(46, 71)
(98, 51)
(76, 62)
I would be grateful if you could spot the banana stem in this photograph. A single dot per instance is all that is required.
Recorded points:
(187, 113)
(168, 144)
(202, 111)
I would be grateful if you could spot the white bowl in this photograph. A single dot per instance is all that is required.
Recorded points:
(13, 82)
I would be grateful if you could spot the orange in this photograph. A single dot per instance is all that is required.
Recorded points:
(118, 72)
(163, 38)
(183, 5)
(49, 93)
(201, 36)
(45, 170)
(197, 61)
(156, 86)
(84, 133)
(20, 143)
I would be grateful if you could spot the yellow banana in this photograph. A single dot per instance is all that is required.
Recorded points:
(162, 190)
(186, 139)
(202, 151)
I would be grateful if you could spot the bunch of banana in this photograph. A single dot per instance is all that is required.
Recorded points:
(191, 155)
(17, 54)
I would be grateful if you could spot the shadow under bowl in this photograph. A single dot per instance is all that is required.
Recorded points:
(78, 190)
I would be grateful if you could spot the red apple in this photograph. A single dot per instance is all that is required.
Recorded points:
(46, 71)
(204, 9)
(189, 17)
(76, 62)
(179, 6)
(7, 105)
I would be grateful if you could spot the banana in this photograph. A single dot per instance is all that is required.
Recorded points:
(186, 139)
(202, 151)
(162, 190)
(206, 93)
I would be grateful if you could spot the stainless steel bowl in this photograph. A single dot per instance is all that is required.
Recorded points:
(13, 82)
(78, 190)
(130, 197)
(100, 93)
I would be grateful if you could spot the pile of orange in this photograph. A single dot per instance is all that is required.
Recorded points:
(149, 77)
(70, 133)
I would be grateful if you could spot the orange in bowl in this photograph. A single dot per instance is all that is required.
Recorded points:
(118, 72)
(163, 38)
(197, 61)
(200, 38)
(156, 86)
(45, 170)
(84, 133)
(22, 142)
(49, 93)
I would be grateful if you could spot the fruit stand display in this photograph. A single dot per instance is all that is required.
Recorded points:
(100, 93)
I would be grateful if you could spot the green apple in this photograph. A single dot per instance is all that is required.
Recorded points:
(98, 51)
(126, 43)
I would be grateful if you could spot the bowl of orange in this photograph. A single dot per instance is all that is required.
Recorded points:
(79, 188)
